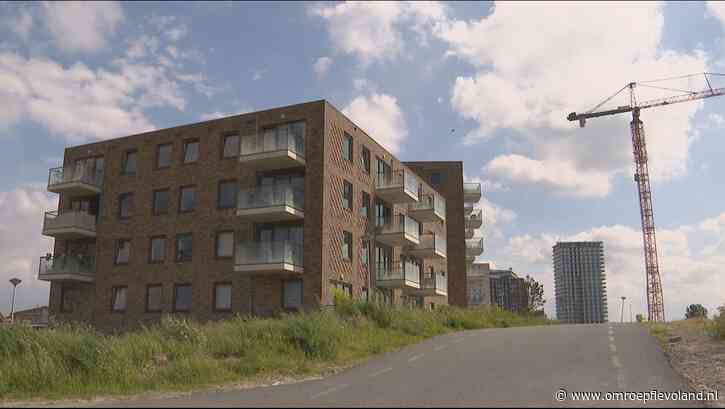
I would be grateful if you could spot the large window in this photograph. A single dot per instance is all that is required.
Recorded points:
(182, 297)
(161, 201)
(125, 202)
(231, 146)
(347, 195)
(347, 245)
(365, 256)
(347, 147)
(365, 207)
(191, 151)
(163, 156)
(383, 213)
(225, 244)
(123, 251)
(153, 298)
(158, 249)
(292, 294)
(187, 198)
(129, 163)
(119, 299)
(365, 156)
(184, 248)
(222, 297)
(227, 194)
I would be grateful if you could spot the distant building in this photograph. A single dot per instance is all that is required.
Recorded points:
(479, 284)
(509, 291)
(37, 316)
(580, 282)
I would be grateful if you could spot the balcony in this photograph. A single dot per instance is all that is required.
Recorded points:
(474, 248)
(430, 245)
(471, 192)
(69, 224)
(398, 274)
(468, 208)
(67, 268)
(431, 208)
(269, 257)
(400, 186)
(475, 219)
(73, 182)
(431, 285)
(469, 233)
(273, 150)
(402, 231)
(271, 204)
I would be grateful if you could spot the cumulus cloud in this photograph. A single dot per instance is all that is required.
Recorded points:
(218, 114)
(322, 66)
(381, 117)
(80, 26)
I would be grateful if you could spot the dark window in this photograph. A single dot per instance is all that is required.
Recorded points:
(225, 244)
(125, 201)
(347, 245)
(119, 299)
(191, 151)
(365, 256)
(184, 247)
(186, 198)
(182, 297)
(365, 207)
(153, 298)
(158, 249)
(382, 213)
(163, 156)
(129, 163)
(123, 251)
(435, 178)
(222, 297)
(347, 147)
(69, 298)
(365, 155)
(161, 201)
(231, 146)
(347, 195)
(292, 294)
(227, 194)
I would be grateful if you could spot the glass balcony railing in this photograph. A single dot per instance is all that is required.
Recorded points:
(474, 247)
(59, 220)
(60, 175)
(403, 179)
(270, 252)
(401, 224)
(435, 281)
(430, 202)
(75, 264)
(289, 138)
(475, 219)
(398, 270)
(432, 241)
(471, 192)
(270, 196)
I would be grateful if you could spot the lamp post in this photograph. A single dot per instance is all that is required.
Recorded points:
(14, 282)
(621, 319)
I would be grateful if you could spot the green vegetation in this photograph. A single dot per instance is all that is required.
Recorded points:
(718, 324)
(695, 311)
(75, 361)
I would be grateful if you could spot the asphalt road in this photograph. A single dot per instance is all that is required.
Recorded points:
(497, 367)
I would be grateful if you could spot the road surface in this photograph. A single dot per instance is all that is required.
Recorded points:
(496, 367)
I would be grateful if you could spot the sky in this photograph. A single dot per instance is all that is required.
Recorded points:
(486, 83)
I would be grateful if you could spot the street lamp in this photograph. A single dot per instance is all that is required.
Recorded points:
(622, 317)
(14, 282)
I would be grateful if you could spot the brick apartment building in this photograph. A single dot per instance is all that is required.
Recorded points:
(251, 214)
(509, 291)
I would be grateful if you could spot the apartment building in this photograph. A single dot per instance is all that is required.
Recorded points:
(251, 214)
(580, 282)
(509, 291)
(479, 284)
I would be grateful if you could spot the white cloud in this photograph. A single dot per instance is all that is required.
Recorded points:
(529, 77)
(258, 75)
(176, 33)
(218, 114)
(381, 117)
(364, 85)
(322, 66)
(21, 245)
(79, 26)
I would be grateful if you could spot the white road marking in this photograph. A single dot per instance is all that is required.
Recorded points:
(380, 372)
(440, 347)
(613, 348)
(611, 339)
(415, 358)
(615, 362)
(329, 391)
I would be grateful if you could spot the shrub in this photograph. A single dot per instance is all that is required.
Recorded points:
(317, 334)
(718, 324)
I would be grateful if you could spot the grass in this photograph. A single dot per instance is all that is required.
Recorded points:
(72, 361)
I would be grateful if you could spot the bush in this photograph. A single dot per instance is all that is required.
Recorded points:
(317, 334)
(718, 324)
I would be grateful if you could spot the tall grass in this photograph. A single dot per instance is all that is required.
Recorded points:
(718, 324)
(75, 361)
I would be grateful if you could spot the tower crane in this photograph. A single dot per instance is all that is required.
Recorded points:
(655, 302)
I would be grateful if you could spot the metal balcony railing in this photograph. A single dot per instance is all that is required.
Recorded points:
(269, 196)
(281, 138)
(398, 270)
(432, 241)
(270, 252)
(402, 178)
(67, 264)
(471, 192)
(401, 224)
(66, 219)
(61, 175)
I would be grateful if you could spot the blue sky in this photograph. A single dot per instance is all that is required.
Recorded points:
(489, 84)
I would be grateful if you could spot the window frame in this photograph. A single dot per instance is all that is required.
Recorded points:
(235, 182)
(181, 193)
(216, 244)
(176, 247)
(347, 154)
(116, 250)
(347, 239)
(365, 253)
(366, 159)
(302, 294)
(365, 205)
(153, 201)
(188, 142)
(121, 196)
(348, 196)
(158, 155)
(161, 295)
(215, 299)
(151, 249)
(224, 145)
(191, 304)
(124, 162)
(114, 289)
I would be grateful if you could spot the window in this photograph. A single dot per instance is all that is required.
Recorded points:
(153, 298)
(365, 256)
(119, 299)
(347, 245)
(227, 194)
(129, 163)
(344, 288)
(161, 201)
(292, 294)
(183, 247)
(365, 155)
(222, 297)
(382, 213)
(347, 195)
(124, 205)
(365, 207)
(347, 147)
(182, 297)
(69, 298)
(123, 251)
(364, 294)
(435, 178)
(163, 156)
(158, 249)
(186, 198)
(191, 151)
(225, 244)
(231, 146)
